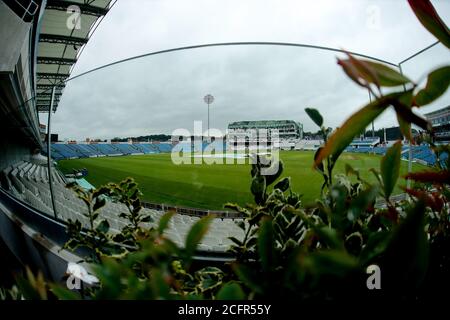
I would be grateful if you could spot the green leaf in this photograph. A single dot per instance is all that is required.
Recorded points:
(63, 293)
(350, 170)
(266, 247)
(236, 241)
(429, 18)
(344, 135)
(362, 202)
(405, 107)
(390, 168)
(315, 116)
(195, 235)
(124, 215)
(95, 215)
(72, 244)
(164, 221)
(210, 278)
(376, 174)
(241, 224)
(86, 202)
(136, 206)
(102, 190)
(109, 273)
(387, 77)
(231, 291)
(159, 285)
(248, 276)
(146, 218)
(375, 246)
(252, 242)
(437, 83)
(27, 289)
(103, 226)
(283, 184)
(329, 262)
(100, 202)
(330, 237)
(258, 188)
(271, 178)
(354, 243)
(255, 169)
(405, 260)
(235, 207)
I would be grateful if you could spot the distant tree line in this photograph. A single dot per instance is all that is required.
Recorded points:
(392, 134)
(157, 137)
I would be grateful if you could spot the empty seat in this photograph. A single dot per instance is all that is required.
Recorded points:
(30, 183)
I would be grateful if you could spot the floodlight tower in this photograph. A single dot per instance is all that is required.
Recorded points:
(208, 100)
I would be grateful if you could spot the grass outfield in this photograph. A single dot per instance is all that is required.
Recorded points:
(210, 186)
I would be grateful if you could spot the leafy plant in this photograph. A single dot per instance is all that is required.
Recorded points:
(95, 237)
(139, 262)
(319, 251)
(330, 162)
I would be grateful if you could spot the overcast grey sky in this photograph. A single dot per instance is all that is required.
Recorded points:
(157, 94)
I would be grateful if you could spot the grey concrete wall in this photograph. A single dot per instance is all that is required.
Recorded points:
(13, 34)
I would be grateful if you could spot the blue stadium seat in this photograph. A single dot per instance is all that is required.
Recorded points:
(164, 147)
(85, 148)
(149, 148)
(125, 148)
(107, 149)
(65, 151)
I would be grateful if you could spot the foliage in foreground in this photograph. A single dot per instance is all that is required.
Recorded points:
(318, 252)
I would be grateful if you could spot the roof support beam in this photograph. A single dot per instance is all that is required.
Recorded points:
(58, 61)
(46, 103)
(84, 8)
(43, 108)
(52, 76)
(56, 38)
(49, 86)
(44, 99)
(48, 95)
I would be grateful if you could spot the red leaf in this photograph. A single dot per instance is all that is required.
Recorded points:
(390, 213)
(434, 201)
(405, 113)
(352, 72)
(429, 18)
(344, 135)
(359, 71)
(430, 176)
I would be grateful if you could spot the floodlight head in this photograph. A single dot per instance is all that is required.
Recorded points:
(208, 99)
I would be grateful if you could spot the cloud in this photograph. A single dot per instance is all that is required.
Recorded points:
(157, 94)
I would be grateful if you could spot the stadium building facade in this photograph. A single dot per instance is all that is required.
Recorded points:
(440, 120)
(271, 133)
(439, 117)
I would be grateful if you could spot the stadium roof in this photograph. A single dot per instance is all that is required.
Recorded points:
(438, 112)
(65, 29)
(261, 124)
